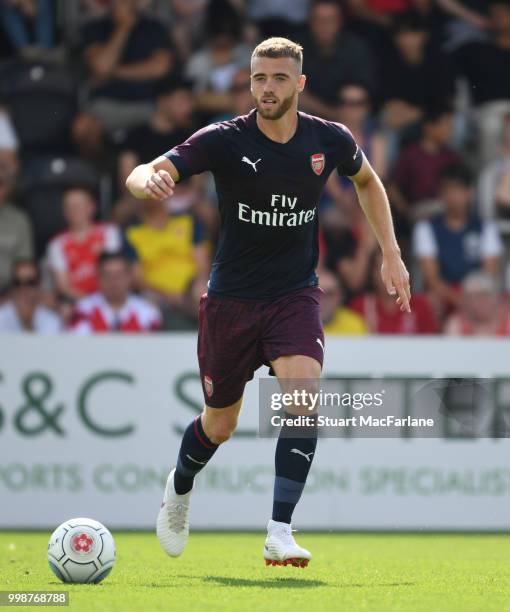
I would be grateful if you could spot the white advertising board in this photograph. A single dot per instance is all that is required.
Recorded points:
(91, 427)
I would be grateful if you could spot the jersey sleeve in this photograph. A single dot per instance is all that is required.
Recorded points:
(350, 155)
(202, 151)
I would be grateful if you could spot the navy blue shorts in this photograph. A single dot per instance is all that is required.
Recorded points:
(236, 337)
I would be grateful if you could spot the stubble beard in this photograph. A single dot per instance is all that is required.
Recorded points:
(275, 113)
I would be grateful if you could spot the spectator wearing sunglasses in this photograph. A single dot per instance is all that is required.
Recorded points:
(353, 110)
(241, 100)
(23, 311)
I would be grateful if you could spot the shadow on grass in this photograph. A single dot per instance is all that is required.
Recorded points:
(276, 582)
(376, 584)
(279, 582)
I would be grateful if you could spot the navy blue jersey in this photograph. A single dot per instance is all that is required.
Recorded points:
(268, 194)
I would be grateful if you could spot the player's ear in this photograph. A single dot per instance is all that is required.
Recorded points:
(301, 83)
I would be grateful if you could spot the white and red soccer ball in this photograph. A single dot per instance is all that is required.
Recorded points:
(81, 550)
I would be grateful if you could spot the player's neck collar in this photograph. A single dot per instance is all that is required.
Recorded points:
(253, 124)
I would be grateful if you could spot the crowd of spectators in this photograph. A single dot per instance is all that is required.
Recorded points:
(90, 88)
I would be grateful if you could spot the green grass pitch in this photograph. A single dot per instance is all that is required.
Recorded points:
(225, 571)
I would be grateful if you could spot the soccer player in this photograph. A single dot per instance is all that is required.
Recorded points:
(262, 304)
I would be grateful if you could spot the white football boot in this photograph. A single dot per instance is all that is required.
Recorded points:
(281, 548)
(172, 526)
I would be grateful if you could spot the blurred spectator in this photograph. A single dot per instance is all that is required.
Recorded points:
(169, 251)
(28, 24)
(241, 100)
(486, 65)
(467, 21)
(115, 308)
(187, 24)
(372, 19)
(23, 311)
(494, 183)
(170, 124)
(349, 247)
(185, 318)
(416, 174)
(278, 17)
(455, 242)
(16, 240)
(382, 314)
(8, 144)
(414, 78)
(336, 318)
(73, 255)
(126, 53)
(92, 9)
(482, 310)
(379, 11)
(43, 183)
(212, 70)
(42, 101)
(332, 57)
(349, 241)
(353, 110)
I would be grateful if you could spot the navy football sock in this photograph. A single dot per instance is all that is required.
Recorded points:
(196, 450)
(295, 450)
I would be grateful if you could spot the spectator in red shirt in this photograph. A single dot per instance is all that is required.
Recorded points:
(482, 311)
(383, 315)
(416, 177)
(114, 308)
(73, 254)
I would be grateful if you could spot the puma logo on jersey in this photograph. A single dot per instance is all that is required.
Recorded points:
(252, 164)
(296, 451)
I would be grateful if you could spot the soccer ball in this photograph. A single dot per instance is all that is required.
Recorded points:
(81, 550)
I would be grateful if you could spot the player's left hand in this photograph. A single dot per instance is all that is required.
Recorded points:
(396, 279)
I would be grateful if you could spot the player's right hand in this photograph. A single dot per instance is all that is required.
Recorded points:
(159, 186)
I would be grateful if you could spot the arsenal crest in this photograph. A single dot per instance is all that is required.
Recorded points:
(318, 161)
(208, 384)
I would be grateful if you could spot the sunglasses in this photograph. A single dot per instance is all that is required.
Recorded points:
(25, 282)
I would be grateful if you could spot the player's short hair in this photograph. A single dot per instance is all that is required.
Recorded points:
(279, 47)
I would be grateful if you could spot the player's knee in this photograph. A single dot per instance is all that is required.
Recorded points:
(220, 431)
